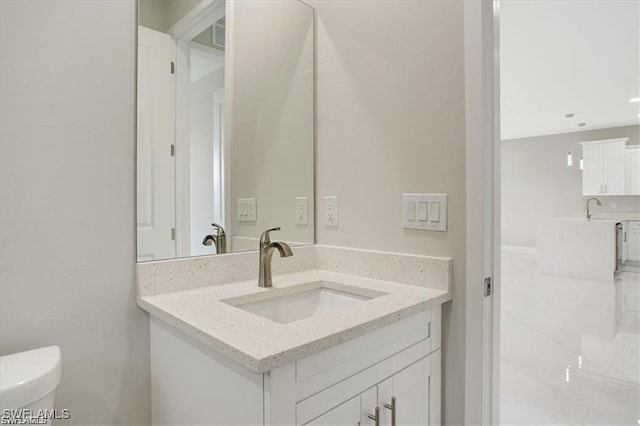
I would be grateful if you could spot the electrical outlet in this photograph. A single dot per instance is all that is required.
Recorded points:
(302, 210)
(331, 211)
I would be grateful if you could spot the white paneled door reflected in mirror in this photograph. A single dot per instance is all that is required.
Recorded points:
(225, 140)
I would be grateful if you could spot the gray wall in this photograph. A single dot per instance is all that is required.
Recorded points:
(67, 202)
(153, 14)
(537, 184)
(271, 117)
(391, 120)
(161, 15)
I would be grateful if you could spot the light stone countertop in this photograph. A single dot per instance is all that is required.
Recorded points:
(262, 345)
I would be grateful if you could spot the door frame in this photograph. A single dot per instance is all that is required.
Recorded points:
(482, 118)
(219, 123)
(193, 23)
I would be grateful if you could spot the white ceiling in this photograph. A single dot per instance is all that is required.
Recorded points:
(567, 56)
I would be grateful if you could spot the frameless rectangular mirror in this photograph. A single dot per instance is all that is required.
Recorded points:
(225, 139)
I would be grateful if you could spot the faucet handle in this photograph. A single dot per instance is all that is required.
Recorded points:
(219, 229)
(264, 238)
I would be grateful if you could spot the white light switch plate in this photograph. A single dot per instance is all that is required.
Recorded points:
(331, 211)
(431, 212)
(302, 210)
(247, 210)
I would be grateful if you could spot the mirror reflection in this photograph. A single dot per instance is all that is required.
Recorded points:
(225, 146)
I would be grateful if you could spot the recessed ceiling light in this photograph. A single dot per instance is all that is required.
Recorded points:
(569, 115)
(634, 99)
(582, 124)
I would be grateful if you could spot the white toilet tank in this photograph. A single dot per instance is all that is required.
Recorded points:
(28, 381)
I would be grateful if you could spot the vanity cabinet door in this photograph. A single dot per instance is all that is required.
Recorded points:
(410, 388)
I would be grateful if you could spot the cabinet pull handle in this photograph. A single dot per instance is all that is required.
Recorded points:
(375, 417)
(392, 407)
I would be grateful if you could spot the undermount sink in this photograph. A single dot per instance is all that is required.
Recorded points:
(288, 307)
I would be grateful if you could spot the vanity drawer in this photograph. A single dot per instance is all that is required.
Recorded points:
(328, 367)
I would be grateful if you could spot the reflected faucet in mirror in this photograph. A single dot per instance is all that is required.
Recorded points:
(597, 202)
(266, 253)
(218, 239)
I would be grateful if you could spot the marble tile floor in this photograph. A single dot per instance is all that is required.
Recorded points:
(569, 347)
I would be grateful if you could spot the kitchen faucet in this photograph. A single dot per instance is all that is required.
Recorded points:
(219, 239)
(597, 202)
(266, 253)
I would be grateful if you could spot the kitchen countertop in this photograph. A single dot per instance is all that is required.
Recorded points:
(620, 217)
(262, 345)
(600, 215)
(585, 220)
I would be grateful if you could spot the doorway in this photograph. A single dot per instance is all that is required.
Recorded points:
(568, 351)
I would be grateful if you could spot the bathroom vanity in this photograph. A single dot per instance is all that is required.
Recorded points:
(395, 369)
(344, 337)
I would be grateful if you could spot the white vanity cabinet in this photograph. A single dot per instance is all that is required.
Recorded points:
(398, 365)
(604, 167)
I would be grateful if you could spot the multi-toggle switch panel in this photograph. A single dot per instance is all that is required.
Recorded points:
(247, 210)
(424, 211)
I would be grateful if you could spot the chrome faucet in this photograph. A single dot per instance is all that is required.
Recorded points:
(266, 253)
(219, 239)
(597, 202)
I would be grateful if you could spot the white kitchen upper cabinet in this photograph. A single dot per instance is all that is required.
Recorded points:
(614, 167)
(592, 176)
(604, 167)
(633, 170)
